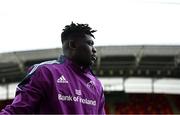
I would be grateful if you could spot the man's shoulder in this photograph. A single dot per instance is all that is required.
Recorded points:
(42, 65)
(41, 70)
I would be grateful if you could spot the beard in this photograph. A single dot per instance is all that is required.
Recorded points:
(84, 60)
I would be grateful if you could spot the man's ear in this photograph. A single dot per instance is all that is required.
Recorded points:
(72, 44)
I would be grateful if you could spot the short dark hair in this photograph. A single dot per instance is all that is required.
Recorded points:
(76, 29)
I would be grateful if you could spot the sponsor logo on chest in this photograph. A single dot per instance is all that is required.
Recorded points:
(91, 84)
(62, 79)
(78, 97)
(78, 92)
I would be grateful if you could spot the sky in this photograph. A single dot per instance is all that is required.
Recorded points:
(37, 24)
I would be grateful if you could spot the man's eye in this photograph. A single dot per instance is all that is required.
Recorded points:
(91, 43)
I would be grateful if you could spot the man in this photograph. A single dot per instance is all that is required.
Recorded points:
(66, 85)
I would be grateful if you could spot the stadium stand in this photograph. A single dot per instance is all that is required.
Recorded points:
(176, 100)
(145, 104)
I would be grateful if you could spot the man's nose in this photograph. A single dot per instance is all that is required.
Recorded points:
(94, 49)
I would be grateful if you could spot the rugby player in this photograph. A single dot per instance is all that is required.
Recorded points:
(66, 85)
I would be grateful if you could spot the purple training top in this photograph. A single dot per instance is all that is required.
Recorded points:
(59, 87)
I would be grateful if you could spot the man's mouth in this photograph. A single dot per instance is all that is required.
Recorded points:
(93, 58)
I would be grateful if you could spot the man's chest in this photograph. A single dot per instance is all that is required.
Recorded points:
(74, 88)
